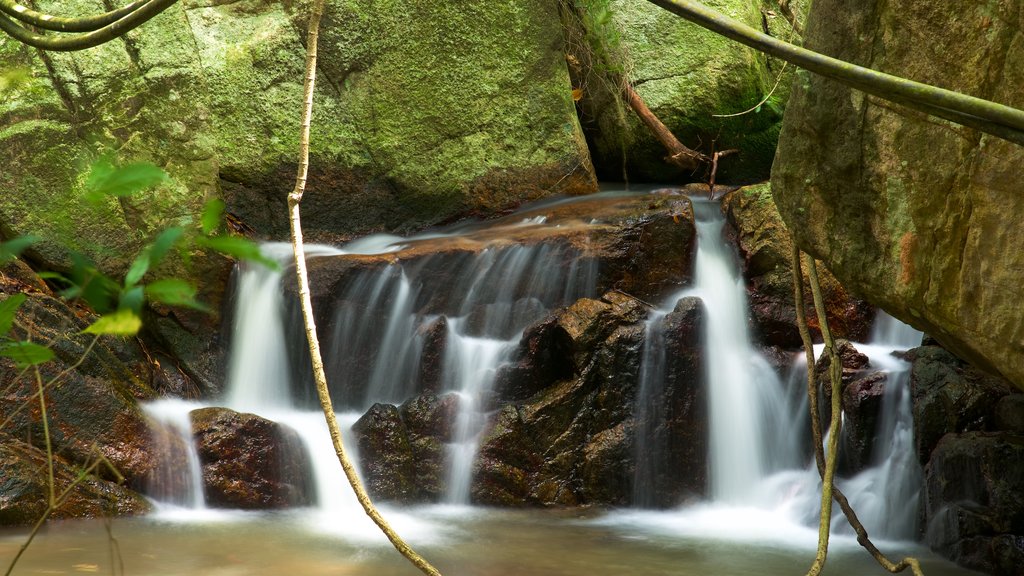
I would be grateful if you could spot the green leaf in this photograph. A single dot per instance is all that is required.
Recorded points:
(212, 213)
(120, 323)
(26, 354)
(174, 292)
(238, 247)
(106, 180)
(8, 308)
(138, 269)
(91, 285)
(132, 300)
(13, 248)
(163, 244)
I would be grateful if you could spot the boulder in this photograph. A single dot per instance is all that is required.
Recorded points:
(911, 213)
(686, 75)
(402, 449)
(974, 506)
(533, 452)
(250, 462)
(386, 454)
(862, 407)
(24, 489)
(766, 249)
(671, 419)
(950, 395)
(580, 436)
(456, 110)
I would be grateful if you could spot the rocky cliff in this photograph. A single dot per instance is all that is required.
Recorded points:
(915, 214)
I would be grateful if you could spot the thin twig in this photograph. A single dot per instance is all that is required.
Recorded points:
(763, 100)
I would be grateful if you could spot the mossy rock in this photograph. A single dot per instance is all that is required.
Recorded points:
(918, 216)
(690, 78)
(425, 111)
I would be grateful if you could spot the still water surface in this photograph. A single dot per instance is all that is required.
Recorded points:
(459, 541)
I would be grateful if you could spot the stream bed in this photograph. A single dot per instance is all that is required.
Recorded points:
(460, 541)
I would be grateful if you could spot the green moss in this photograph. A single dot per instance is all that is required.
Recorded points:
(686, 76)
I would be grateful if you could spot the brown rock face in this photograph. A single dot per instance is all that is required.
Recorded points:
(250, 462)
(765, 247)
(917, 216)
(24, 491)
(94, 395)
(577, 438)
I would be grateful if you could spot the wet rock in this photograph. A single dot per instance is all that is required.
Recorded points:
(386, 454)
(854, 366)
(545, 355)
(93, 399)
(671, 421)
(402, 449)
(862, 407)
(1009, 413)
(430, 415)
(974, 505)
(24, 489)
(575, 441)
(250, 462)
(765, 246)
(435, 338)
(950, 395)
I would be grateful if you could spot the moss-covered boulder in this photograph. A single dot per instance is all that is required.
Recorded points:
(917, 215)
(691, 78)
(424, 111)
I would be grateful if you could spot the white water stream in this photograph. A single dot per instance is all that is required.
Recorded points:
(756, 467)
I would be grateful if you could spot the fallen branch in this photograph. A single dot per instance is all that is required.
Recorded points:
(678, 154)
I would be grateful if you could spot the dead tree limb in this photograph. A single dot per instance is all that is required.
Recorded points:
(678, 154)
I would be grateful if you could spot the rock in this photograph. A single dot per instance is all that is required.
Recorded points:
(766, 250)
(974, 507)
(94, 395)
(545, 356)
(854, 365)
(24, 490)
(490, 107)
(435, 338)
(862, 407)
(671, 419)
(430, 415)
(911, 214)
(386, 454)
(950, 395)
(685, 75)
(1009, 413)
(577, 440)
(632, 247)
(250, 462)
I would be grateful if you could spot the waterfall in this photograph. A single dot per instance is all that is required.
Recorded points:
(177, 480)
(760, 455)
(389, 294)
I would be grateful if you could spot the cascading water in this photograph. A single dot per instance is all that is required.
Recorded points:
(375, 348)
(759, 451)
(177, 481)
